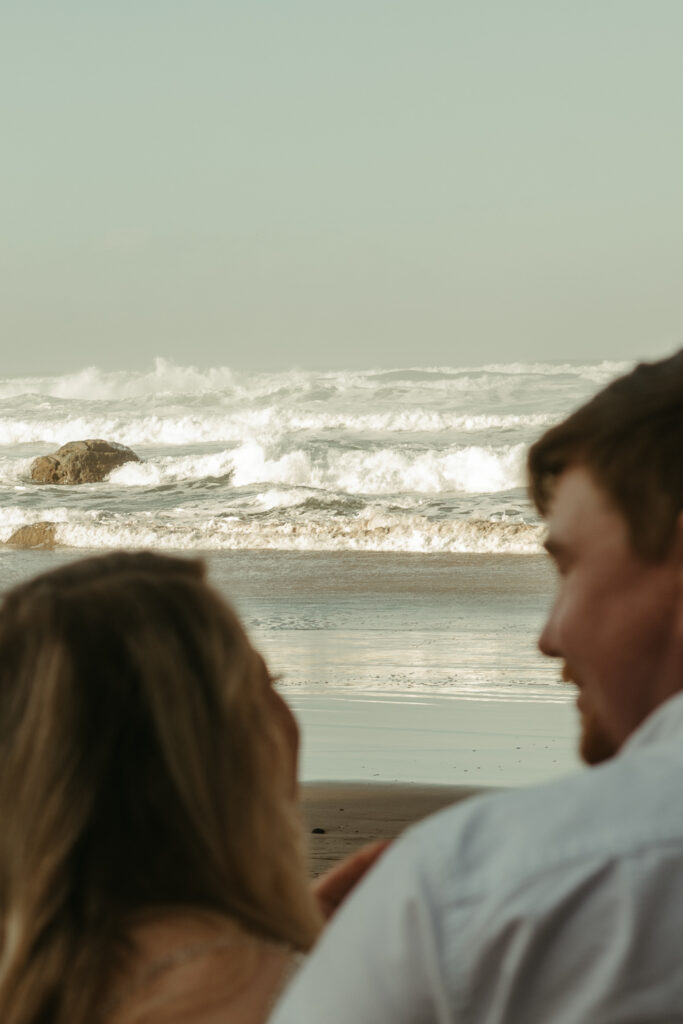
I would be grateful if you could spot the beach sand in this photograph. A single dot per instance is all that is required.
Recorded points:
(353, 814)
(433, 740)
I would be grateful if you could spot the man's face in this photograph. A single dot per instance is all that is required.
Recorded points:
(617, 621)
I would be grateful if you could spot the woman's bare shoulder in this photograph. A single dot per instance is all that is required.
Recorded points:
(198, 970)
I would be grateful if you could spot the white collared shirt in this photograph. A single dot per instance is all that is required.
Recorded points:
(560, 903)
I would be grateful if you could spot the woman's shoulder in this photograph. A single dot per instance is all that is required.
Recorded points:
(197, 969)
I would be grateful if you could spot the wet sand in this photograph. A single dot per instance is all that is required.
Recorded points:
(433, 740)
(353, 814)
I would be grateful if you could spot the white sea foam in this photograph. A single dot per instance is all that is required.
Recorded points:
(167, 378)
(208, 428)
(170, 469)
(277, 498)
(417, 459)
(468, 469)
(370, 530)
(14, 471)
(594, 372)
(171, 405)
(471, 469)
(93, 384)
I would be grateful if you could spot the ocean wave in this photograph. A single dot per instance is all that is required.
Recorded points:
(410, 421)
(93, 384)
(369, 530)
(169, 470)
(596, 372)
(470, 469)
(197, 428)
(15, 471)
(167, 378)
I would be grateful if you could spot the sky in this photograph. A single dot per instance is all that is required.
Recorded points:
(330, 184)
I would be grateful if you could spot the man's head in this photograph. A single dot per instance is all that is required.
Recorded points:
(609, 480)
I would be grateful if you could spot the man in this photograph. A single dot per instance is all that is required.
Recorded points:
(560, 903)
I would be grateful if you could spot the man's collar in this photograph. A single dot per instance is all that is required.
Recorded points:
(663, 724)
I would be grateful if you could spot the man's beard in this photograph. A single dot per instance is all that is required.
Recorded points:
(594, 744)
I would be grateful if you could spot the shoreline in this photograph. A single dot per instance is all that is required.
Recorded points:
(400, 668)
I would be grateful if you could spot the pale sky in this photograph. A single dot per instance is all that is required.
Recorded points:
(339, 183)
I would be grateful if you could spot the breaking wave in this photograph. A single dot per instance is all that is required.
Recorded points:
(386, 471)
(416, 459)
(471, 469)
(369, 530)
(167, 378)
(209, 428)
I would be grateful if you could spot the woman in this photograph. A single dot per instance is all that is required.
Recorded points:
(151, 857)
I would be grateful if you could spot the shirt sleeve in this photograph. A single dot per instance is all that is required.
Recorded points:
(379, 959)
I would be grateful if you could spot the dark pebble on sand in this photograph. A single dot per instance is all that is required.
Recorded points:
(318, 831)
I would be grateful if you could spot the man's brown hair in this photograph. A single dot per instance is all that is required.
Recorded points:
(630, 438)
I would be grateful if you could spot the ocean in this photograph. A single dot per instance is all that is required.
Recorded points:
(372, 528)
(418, 460)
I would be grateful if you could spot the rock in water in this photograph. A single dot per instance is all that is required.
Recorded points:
(81, 462)
(34, 535)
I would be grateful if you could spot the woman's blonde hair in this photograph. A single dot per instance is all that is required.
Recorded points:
(141, 768)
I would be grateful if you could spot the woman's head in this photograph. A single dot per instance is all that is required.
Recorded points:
(145, 762)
